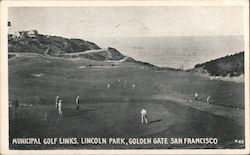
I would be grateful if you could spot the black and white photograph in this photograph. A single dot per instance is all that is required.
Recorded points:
(127, 77)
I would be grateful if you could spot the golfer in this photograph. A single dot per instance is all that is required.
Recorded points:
(143, 116)
(77, 103)
(57, 100)
(208, 99)
(196, 96)
(60, 108)
(45, 116)
(133, 86)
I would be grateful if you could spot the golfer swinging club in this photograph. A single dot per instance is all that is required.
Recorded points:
(143, 116)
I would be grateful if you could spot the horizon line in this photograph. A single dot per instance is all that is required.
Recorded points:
(208, 35)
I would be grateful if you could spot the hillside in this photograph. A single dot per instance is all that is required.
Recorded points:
(232, 65)
(33, 42)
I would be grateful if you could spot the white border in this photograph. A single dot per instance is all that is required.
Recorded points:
(4, 73)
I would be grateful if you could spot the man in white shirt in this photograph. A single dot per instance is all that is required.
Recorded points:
(196, 96)
(208, 99)
(143, 116)
(60, 108)
(57, 99)
(77, 103)
(133, 86)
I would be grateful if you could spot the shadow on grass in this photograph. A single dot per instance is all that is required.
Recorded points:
(154, 121)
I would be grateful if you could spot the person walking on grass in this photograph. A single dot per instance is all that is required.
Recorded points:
(57, 100)
(77, 103)
(133, 86)
(196, 96)
(60, 112)
(45, 117)
(208, 99)
(143, 116)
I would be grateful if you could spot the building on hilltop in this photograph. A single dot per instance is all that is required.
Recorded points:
(32, 33)
(25, 34)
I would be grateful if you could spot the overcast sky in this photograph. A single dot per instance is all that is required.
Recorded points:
(94, 22)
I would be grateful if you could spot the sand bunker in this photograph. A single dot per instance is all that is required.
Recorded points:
(22, 105)
(97, 66)
(82, 67)
(38, 75)
(25, 105)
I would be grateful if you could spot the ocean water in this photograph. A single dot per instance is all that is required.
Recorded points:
(175, 51)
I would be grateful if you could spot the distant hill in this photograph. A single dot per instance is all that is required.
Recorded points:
(232, 65)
